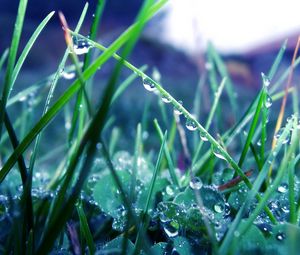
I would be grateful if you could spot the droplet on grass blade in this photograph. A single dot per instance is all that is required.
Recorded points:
(283, 188)
(166, 99)
(217, 152)
(68, 76)
(268, 102)
(149, 84)
(191, 125)
(278, 135)
(203, 137)
(176, 110)
(266, 80)
(81, 45)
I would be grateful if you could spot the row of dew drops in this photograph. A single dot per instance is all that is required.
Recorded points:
(190, 123)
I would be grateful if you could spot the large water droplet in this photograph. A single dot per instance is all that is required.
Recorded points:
(268, 102)
(81, 46)
(196, 183)
(217, 152)
(191, 125)
(149, 84)
(266, 80)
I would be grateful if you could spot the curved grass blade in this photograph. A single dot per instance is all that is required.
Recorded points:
(28, 47)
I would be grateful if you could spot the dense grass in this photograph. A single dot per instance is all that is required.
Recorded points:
(237, 194)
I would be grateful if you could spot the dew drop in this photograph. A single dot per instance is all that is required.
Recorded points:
(196, 183)
(278, 135)
(166, 99)
(191, 125)
(171, 228)
(217, 152)
(203, 137)
(259, 142)
(81, 46)
(280, 236)
(268, 102)
(219, 208)
(170, 190)
(149, 84)
(177, 110)
(23, 98)
(68, 76)
(266, 80)
(283, 188)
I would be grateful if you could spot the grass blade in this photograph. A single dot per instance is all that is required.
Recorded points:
(11, 59)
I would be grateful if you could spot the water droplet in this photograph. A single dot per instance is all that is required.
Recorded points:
(259, 142)
(283, 188)
(81, 45)
(67, 125)
(217, 152)
(268, 102)
(203, 137)
(177, 110)
(280, 236)
(265, 79)
(196, 183)
(166, 99)
(68, 76)
(278, 135)
(170, 190)
(23, 98)
(219, 208)
(171, 228)
(191, 125)
(149, 84)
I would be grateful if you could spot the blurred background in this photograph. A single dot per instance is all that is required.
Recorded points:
(247, 34)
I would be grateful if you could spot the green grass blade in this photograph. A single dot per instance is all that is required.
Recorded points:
(168, 155)
(137, 149)
(11, 59)
(28, 47)
(144, 222)
(252, 128)
(84, 226)
(277, 61)
(211, 115)
(3, 58)
(223, 71)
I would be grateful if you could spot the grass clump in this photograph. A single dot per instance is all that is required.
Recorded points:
(238, 192)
